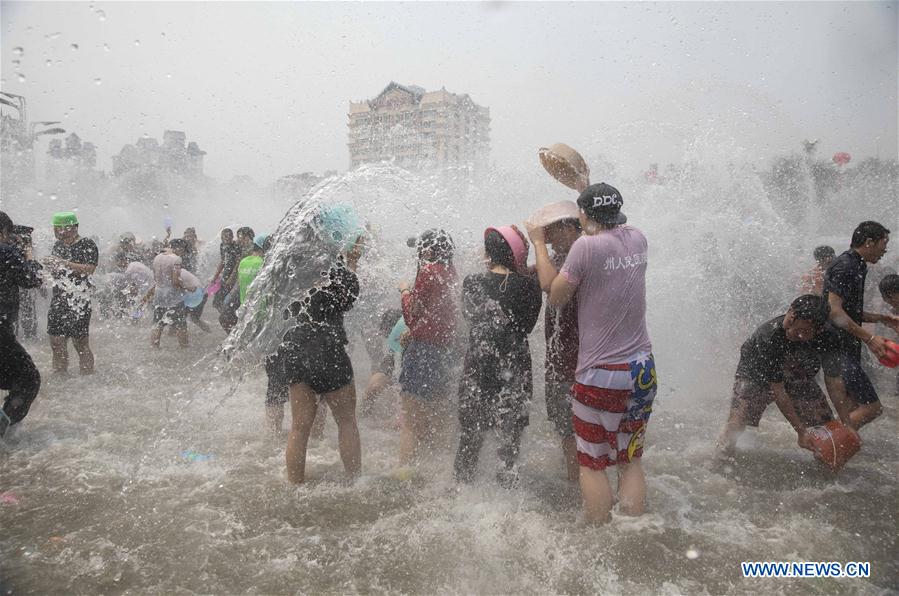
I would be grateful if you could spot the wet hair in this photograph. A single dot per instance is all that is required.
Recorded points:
(439, 243)
(868, 230)
(811, 307)
(498, 250)
(229, 230)
(889, 285)
(179, 244)
(5, 223)
(824, 252)
(246, 232)
(388, 320)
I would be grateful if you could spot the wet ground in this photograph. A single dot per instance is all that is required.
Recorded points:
(155, 475)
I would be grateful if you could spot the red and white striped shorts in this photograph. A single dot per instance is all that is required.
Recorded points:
(610, 419)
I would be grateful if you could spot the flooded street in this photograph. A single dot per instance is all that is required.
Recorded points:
(151, 476)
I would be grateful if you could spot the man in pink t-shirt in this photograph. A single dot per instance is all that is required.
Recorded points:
(615, 377)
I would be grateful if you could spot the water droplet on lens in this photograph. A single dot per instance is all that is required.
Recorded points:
(137, 42)
(106, 47)
(74, 47)
(18, 51)
(692, 554)
(49, 62)
(98, 81)
(52, 197)
(168, 75)
(101, 15)
(21, 78)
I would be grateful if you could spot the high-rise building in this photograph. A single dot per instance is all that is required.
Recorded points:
(418, 129)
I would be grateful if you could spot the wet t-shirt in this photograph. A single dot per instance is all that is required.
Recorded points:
(846, 278)
(321, 311)
(609, 271)
(561, 338)
(15, 273)
(230, 255)
(166, 293)
(502, 310)
(246, 272)
(769, 357)
(65, 281)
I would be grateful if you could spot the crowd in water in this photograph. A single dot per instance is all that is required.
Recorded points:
(589, 278)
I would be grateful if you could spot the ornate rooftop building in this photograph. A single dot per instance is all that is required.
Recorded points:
(416, 129)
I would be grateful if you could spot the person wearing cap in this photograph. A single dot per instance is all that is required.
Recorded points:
(813, 281)
(778, 364)
(18, 374)
(429, 309)
(615, 381)
(844, 289)
(72, 261)
(168, 294)
(501, 306)
(561, 228)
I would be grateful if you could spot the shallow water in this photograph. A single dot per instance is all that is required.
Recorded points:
(106, 500)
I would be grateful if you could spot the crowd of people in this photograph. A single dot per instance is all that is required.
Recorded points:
(600, 375)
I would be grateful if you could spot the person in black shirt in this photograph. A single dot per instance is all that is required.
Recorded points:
(229, 254)
(844, 289)
(18, 374)
(778, 363)
(502, 307)
(316, 364)
(72, 261)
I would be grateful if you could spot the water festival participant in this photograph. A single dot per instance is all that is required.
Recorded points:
(615, 381)
(190, 263)
(844, 288)
(72, 261)
(18, 374)
(229, 255)
(316, 363)
(561, 228)
(889, 291)
(778, 363)
(429, 310)
(385, 368)
(813, 281)
(501, 306)
(167, 295)
(231, 302)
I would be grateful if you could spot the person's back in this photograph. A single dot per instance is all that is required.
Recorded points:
(163, 266)
(610, 271)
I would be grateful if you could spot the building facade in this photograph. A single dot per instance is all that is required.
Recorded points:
(418, 129)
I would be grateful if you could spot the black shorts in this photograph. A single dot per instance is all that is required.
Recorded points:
(322, 365)
(808, 400)
(68, 316)
(858, 385)
(176, 316)
(276, 391)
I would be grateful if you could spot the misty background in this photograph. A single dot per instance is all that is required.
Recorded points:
(264, 87)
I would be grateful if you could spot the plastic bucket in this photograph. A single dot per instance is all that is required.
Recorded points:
(834, 444)
(891, 358)
(194, 298)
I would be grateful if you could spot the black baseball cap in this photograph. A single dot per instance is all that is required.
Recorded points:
(602, 203)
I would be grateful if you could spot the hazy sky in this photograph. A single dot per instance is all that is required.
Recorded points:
(263, 87)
